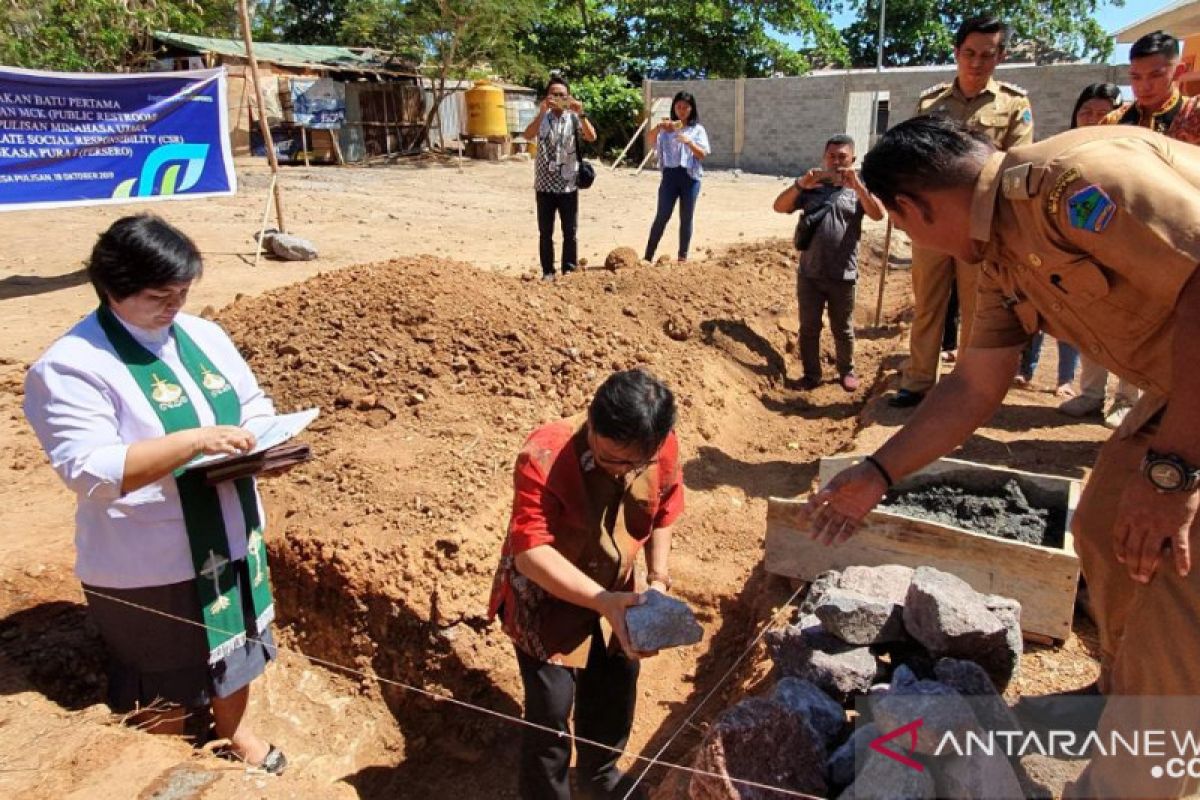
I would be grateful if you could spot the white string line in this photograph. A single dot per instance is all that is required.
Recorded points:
(463, 704)
(766, 627)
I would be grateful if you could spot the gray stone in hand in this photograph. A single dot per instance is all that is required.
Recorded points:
(661, 622)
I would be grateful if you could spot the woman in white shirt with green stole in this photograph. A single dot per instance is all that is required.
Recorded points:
(121, 404)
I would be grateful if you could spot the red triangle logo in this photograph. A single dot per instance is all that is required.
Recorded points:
(879, 744)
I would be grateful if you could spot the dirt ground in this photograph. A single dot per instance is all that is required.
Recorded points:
(430, 366)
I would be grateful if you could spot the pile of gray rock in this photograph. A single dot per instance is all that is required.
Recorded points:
(893, 645)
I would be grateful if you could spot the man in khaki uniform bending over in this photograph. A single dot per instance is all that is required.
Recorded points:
(1001, 112)
(1092, 237)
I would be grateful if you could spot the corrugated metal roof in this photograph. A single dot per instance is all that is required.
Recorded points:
(313, 56)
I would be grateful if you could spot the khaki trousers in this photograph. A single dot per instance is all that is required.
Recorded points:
(932, 276)
(1149, 634)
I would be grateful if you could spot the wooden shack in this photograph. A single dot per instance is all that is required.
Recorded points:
(384, 105)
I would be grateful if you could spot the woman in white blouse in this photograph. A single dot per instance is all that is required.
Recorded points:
(682, 145)
(121, 403)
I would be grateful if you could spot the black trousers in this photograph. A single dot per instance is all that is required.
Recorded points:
(604, 694)
(566, 206)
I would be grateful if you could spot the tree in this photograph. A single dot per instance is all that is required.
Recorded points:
(922, 31)
(699, 38)
(100, 35)
(451, 39)
(613, 106)
(300, 21)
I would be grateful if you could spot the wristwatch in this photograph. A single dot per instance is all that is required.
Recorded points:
(1169, 473)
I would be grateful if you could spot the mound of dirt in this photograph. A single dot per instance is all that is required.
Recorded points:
(430, 374)
(622, 258)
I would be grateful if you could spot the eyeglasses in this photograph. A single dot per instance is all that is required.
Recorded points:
(613, 464)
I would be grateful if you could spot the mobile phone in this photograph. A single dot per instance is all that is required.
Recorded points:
(829, 176)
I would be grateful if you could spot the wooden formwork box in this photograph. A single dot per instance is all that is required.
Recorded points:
(1043, 579)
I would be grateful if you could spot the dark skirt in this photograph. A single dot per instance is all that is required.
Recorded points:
(152, 658)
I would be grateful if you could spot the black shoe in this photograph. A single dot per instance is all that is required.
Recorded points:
(809, 382)
(905, 399)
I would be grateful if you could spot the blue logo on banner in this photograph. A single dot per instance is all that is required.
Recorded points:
(192, 155)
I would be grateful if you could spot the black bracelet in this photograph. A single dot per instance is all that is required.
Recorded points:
(874, 462)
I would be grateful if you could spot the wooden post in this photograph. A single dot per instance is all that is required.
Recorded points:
(642, 166)
(632, 140)
(883, 271)
(263, 127)
(262, 228)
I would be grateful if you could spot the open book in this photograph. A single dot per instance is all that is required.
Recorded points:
(271, 451)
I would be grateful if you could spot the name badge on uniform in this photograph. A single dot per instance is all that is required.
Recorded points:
(1090, 209)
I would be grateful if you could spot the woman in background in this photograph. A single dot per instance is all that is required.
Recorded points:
(682, 145)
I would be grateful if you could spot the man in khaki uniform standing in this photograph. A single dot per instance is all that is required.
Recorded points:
(999, 111)
(1091, 236)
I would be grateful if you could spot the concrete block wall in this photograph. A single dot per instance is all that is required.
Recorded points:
(786, 121)
(716, 102)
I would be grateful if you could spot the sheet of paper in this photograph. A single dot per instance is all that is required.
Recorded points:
(268, 431)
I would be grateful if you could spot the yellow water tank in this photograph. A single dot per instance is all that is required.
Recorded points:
(485, 110)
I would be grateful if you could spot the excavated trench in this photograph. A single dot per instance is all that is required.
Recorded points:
(429, 375)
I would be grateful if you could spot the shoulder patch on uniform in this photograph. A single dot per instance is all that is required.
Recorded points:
(1012, 87)
(1090, 209)
(932, 90)
(1060, 186)
(1027, 115)
(1014, 183)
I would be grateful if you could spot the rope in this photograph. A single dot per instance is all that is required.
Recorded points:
(450, 699)
(766, 627)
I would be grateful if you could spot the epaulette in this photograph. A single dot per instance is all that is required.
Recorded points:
(935, 89)
(1012, 87)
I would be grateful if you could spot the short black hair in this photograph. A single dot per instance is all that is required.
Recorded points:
(984, 23)
(141, 252)
(1155, 44)
(560, 80)
(633, 408)
(921, 154)
(690, 99)
(1096, 91)
(839, 139)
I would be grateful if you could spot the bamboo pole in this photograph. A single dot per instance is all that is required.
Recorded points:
(262, 228)
(632, 140)
(263, 127)
(642, 166)
(883, 271)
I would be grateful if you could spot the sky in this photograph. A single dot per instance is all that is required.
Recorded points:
(1110, 18)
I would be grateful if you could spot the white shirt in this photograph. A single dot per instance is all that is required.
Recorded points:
(673, 153)
(86, 410)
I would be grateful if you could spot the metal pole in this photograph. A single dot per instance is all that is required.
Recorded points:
(263, 127)
(882, 29)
